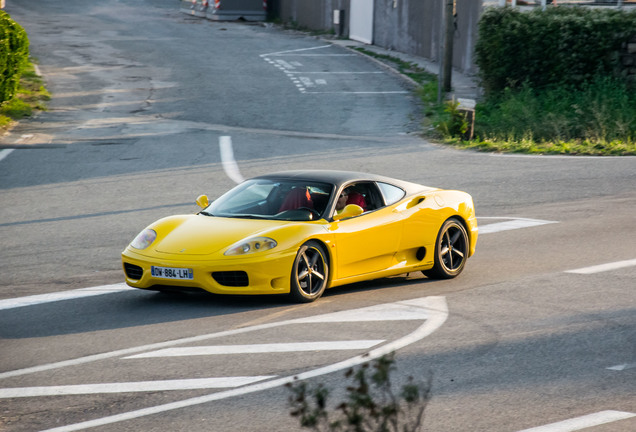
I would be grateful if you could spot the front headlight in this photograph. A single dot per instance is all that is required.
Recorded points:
(144, 239)
(256, 244)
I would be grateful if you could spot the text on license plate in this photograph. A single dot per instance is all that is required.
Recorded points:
(171, 272)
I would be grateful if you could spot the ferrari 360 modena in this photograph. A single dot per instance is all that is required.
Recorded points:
(301, 232)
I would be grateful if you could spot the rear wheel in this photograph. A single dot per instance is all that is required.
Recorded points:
(310, 273)
(451, 251)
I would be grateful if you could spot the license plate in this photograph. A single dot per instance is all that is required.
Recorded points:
(171, 273)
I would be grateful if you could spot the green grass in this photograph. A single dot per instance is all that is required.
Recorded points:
(529, 146)
(597, 119)
(31, 96)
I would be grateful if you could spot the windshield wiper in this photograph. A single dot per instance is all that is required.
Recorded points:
(246, 216)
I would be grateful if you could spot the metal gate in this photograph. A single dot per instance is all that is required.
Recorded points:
(361, 21)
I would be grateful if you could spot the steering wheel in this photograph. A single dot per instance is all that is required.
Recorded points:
(314, 214)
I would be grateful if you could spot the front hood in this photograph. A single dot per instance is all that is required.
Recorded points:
(204, 235)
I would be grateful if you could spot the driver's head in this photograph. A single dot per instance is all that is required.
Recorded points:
(342, 199)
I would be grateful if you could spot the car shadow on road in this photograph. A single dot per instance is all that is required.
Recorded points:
(136, 308)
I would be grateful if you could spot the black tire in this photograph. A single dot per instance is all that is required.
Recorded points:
(451, 251)
(310, 273)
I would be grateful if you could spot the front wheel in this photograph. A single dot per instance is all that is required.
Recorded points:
(310, 273)
(451, 251)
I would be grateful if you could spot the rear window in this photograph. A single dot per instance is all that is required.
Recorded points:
(391, 194)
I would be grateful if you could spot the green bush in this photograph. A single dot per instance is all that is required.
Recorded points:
(14, 55)
(557, 47)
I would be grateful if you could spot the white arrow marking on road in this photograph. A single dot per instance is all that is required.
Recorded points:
(259, 348)
(434, 309)
(509, 223)
(131, 387)
(604, 267)
(583, 422)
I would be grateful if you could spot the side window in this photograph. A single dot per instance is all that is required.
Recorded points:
(363, 194)
(392, 194)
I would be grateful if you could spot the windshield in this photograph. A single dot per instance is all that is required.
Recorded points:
(273, 199)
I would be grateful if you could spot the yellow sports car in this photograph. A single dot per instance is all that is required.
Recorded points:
(300, 232)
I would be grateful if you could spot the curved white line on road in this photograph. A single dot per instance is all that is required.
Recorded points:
(227, 158)
(4, 153)
(435, 308)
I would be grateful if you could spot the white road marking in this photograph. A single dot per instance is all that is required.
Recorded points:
(4, 153)
(287, 67)
(583, 422)
(63, 295)
(623, 367)
(284, 64)
(260, 348)
(604, 267)
(294, 51)
(227, 158)
(509, 223)
(306, 81)
(401, 311)
(131, 387)
(435, 308)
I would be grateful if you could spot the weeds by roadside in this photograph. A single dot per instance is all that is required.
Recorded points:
(30, 97)
(371, 403)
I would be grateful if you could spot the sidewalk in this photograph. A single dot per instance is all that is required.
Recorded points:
(463, 86)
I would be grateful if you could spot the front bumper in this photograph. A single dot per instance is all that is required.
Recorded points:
(269, 273)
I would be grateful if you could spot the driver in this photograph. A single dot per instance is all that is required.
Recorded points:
(342, 200)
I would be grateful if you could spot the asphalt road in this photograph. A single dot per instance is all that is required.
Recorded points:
(531, 334)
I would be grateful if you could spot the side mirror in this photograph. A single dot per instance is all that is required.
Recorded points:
(349, 211)
(202, 201)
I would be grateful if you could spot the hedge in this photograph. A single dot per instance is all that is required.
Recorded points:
(561, 46)
(14, 55)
